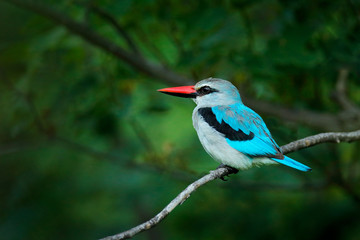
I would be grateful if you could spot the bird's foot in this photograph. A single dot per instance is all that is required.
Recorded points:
(230, 169)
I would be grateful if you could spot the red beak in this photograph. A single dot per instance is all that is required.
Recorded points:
(184, 91)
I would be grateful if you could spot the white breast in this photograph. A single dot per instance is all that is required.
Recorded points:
(216, 146)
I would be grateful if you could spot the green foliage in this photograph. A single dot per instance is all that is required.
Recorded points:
(88, 148)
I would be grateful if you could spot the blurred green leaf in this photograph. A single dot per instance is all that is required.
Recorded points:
(89, 148)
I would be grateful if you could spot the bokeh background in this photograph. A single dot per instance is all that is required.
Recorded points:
(88, 148)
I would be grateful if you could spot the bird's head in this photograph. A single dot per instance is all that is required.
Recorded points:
(208, 92)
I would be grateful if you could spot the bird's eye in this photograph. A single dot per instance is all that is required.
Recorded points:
(205, 90)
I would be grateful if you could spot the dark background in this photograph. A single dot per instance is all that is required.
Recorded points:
(88, 148)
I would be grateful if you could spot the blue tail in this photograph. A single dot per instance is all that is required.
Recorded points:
(292, 163)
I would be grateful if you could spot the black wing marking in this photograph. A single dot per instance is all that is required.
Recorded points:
(223, 127)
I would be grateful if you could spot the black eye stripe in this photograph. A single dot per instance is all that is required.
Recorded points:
(205, 90)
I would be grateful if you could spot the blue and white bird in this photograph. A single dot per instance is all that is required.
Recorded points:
(233, 134)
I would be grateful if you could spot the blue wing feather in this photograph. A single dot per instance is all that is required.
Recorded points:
(258, 142)
(254, 148)
(240, 117)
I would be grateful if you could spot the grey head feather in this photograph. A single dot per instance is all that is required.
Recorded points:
(226, 93)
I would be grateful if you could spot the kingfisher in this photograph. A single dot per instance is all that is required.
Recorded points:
(230, 132)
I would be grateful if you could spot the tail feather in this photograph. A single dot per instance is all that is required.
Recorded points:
(292, 163)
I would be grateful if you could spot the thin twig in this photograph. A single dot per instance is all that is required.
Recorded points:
(340, 93)
(324, 121)
(185, 194)
(116, 25)
(221, 172)
(341, 87)
(319, 120)
(103, 43)
(335, 137)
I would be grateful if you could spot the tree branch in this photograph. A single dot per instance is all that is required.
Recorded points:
(341, 89)
(119, 29)
(340, 93)
(185, 194)
(335, 137)
(94, 38)
(222, 172)
(324, 121)
(320, 120)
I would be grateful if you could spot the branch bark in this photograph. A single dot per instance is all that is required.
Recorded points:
(334, 137)
(320, 120)
(185, 194)
(222, 172)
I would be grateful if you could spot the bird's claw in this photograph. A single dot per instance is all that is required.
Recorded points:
(230, 169)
